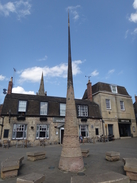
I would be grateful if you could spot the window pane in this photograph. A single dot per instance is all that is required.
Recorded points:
(43, 108)
(22, 106)
(62, 109)
(42, 131)
(122, 105)
(108, 103)
(83, 130)
(19, 131)
(82, 110)
(114, 89)
(6, 133)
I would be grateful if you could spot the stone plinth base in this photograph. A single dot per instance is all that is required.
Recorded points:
(85, 152)
(33, 156)
(72, 164)
(9, 174)
(31, 178)
(131, 167)
(10, 167)
(112, 156)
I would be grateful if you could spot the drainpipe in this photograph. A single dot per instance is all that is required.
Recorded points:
(2, 126)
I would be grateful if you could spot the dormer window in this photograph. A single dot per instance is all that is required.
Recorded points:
(43, 108)
(114, 89)
(62, 109)
(22, 106)
(82, 110)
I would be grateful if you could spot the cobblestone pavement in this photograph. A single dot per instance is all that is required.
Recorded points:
(95, 163)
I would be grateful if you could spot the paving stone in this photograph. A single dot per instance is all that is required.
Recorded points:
(110, 177)
(31, 178)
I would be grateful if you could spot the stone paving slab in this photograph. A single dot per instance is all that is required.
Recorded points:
(95, 164)
(110, 177)
(31, 178)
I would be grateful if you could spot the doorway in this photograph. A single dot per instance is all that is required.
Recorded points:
(61, 135)
(110, 129)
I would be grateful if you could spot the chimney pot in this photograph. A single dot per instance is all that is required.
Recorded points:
(89, 90)
(10, 86)
(135, 98)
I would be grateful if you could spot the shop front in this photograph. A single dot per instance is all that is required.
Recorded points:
(124, 127)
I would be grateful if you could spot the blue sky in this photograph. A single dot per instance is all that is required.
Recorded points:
(34, 39)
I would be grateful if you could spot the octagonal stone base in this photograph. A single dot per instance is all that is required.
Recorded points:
(72, 164)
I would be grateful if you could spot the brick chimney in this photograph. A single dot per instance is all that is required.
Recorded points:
(135, 98)
(89, 90)
(10, 86)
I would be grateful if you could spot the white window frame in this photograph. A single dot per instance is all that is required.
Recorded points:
(44, 129)
(83, 129)
(108, 104)
(122, 107)
(43, 108)
(22, 106)
(62, 109)
(114, 88)
(82, 110)
(21, 128)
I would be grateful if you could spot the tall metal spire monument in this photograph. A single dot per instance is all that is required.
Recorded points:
(71, 157)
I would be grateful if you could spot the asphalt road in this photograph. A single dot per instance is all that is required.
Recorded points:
(95, 163)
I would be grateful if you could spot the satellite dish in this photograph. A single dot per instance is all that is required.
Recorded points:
(4, 91)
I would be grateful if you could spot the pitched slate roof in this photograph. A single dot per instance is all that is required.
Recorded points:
(33, 105)
(105, 87)
(1, 108)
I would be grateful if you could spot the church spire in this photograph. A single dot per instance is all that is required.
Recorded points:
(70, 79)
(41, 88)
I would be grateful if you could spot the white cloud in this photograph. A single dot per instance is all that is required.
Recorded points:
(34, 74)
(2, 78)
(19, 89)
(135, 31)
(74, 12)
(111, 71)
(133, 16)
(95, 73)
(21, 8)
(42, 59)
(126, 34)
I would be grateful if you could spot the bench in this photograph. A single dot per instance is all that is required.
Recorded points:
(131, 167)
(10, 167)
(33, 156)
(112, 156)
(31, 178)
(23, 143)
(85, 152)
(42, 142)
(6, 143)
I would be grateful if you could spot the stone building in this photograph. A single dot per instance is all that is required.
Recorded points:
(35, 117)
(1, 121)
(116, 108)
(135, 108)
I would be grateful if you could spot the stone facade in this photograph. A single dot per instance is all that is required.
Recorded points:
(115, 116)
(54, 133)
